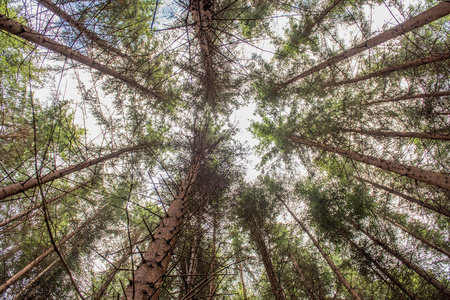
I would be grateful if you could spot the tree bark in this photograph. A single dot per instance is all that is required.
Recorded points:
(319, 18)
(400, 285)
(241, 275)
(408, 97)
(49, 251)
(18, 216)
(114, 271)
(407, 65)
(420, 238)
(377, 133)
(82, 29)
(421, 272)
(436, 179)
(309, 288)
(440, 210)
(432, 14)
(149, 275)
(16, 188)
(325, 256)
(258, 237)
(26, 33)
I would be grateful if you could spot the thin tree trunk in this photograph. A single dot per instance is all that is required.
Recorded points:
(319, 18)
(212, 284)
(439, 286)
(408, 97)
(23, 290)
(377, 133)
(193, 262)
(26, 33)
(241, 275)
(149, 275)
(407, 65)
(82, 29)
(257, 236)
(440, 210)
(420, 238)
(432, 14)
(114, 271)
(436, 179)
(16, 188)
(18, 216)
(11, 227)
(309, 288)
(324, 254)
(400, 285)
(44, 255)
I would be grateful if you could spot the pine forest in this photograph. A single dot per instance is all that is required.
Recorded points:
(224, 149)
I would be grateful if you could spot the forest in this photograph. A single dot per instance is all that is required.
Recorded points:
(126, 172)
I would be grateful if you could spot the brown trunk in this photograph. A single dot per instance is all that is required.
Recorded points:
(440, 210)
(82, 29)
(212, 284)
(16, 188)
(11, 227)
(14, 27)
(25, 288)
(309, 288)
(383, 270)
(18, 216)
(434, 13)
(436, 179)
(319, 18)
(258, 237)
(49, 251)
(408, 97)
(149, 275)
(324, 254)
(406, 262)
(420, 135)
(114, 271)
(241, 274)
(193, 261)
(407, 65)
(415, 235)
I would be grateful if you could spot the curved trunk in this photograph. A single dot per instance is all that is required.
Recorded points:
(149, 275)
(26, 33)
(440, 210)
(17, 188)
(436, 179)
(378, 133)
(41, 257)
(319, 18)
(324, 254)
(434, 13)
(409, 264)
(407, 65)
(415, 235)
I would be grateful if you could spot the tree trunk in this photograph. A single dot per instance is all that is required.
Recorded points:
(436, 179)
(319, 18)
(16, 188)
(241, 275)
(407, 65)
(49, 251)
(408, 97)
(309, 288)
(212, 284)
(440, 210)
(439, 286)
(258, 237)
(378, 133)
(18, 216)
(432, 14)
(415, 235)
(26, 33)
(381, 268)
(324, 254)
(82, 29)
(114, 271)
(149, 275)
